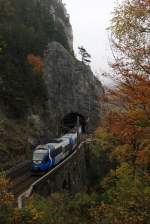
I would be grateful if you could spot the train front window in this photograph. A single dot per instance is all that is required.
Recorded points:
(38, 155)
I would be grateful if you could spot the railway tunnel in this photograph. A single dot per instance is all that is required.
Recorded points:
(71, 120)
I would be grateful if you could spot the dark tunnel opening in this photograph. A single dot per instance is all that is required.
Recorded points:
(70, 121)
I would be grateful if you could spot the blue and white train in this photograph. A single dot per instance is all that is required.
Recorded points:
(48, 155)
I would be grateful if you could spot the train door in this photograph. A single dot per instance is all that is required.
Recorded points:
(58, 154)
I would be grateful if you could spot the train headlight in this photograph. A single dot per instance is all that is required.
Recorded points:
(36, 162)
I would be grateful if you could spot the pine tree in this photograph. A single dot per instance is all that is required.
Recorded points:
(85, 57)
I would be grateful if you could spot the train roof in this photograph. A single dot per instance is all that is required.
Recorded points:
(69, 135)
(40, 147)
(55, 140)
(40, 151)
(58, 142)
(44, 147)
(65, 141)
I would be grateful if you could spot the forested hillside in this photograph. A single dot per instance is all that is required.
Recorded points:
(26, 27)
(118, 158)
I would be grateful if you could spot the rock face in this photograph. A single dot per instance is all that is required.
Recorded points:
(59, 13)
(27, 117)
(72, 87)
(73, 91)
(68, 31)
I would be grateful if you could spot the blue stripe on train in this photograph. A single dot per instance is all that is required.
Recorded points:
(43, 166)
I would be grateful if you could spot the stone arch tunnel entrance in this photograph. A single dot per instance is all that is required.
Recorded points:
(70, 121)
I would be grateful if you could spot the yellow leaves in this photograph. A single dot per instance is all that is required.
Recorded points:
(138, 10)
(101, 133)
(129, 35)
(36, 63)
(124, 171)
(5, 196)
(99, 213)
(3, 183)
(35, 214)
(8, 198)
(16, 216)
(28, 215)
(123, 153)
(143, 156)
(129, 117)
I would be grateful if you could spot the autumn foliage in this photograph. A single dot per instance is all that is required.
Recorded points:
(5, 196)
(119, 159)
(36, 63)
(126, 196)
(129, 117)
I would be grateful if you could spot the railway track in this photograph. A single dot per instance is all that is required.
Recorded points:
(22, 183)
(26, 193)
(20, 178)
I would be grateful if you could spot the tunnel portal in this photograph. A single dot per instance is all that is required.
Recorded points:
(70, 121)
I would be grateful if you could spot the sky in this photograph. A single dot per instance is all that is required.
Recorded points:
(89, 20)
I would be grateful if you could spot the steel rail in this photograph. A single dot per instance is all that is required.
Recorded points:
(29, 191)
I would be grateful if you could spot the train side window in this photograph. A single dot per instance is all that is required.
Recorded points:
(59, 150)
(55, 152)
(66, 148)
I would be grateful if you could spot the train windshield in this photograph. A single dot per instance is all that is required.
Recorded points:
(39, 155)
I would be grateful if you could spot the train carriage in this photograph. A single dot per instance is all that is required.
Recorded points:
(48, 155)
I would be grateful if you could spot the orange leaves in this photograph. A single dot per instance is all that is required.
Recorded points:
(127, 126)
(145, 2)
(148, 2)
(132, 97)
(143, 155)
(36, 63)
(16, 216)
(5, 196)
(3, 183)
(129, 119)
(99, 213)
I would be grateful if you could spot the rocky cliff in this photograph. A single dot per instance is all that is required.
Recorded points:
(37, 106)
(72, 87)
(57, 10)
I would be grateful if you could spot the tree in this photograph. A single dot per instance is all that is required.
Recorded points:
(36, 62)
(125, 198)
(6, 199)
(129, 36)
(130, 120)
(85, 57)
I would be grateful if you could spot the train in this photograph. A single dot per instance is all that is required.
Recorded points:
(48, 155)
